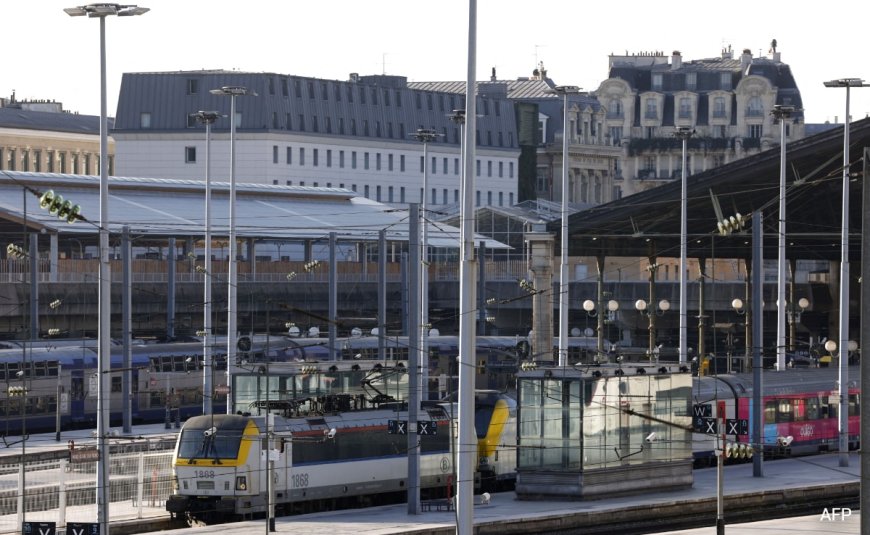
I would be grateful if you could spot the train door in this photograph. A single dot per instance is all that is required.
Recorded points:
(77, 396)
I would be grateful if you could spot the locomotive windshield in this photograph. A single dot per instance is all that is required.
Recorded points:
(211, 437)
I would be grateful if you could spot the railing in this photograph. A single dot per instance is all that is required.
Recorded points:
(62, 491)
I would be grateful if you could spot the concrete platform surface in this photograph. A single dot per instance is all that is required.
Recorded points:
(505, 509)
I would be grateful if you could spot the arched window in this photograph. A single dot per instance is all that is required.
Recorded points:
(614, 108)
(755, 107)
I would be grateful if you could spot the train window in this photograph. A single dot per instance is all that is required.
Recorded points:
(854, 407)
(770, 412)
(52, 368)
(813, 412)
(784, 411)
(40, 369)
(116, 383)
(800, 410)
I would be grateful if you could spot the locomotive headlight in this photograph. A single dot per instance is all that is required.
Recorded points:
(241, 483)
(484, 461)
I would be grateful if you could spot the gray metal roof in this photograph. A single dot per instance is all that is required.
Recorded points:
(166, 207)
(374, 107)
(50, 121)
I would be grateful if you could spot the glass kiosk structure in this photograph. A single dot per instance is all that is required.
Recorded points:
(602, 430)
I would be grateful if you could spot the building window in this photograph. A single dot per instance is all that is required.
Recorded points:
(297, 88)
(274, 119)
(328, 124)
(191, 120)
(510, 169)
(755, 107)
(651, 109)
(315, 124)
(755, 131)
(315, 153)
(489, 198)
(656, 82)
(350, 95)
(500, 196)
(301, 155)
(614, 109)
(374, 96)
(378, 161)
(274, 153)
(389, 188)
(501, 169)
(144, 120)
(386, 98)
(456, 195)
(285, 90)
(455, 166)
(310, 89)
(365, 160)
(725, 81)
(353, 127)
(401, 193)
(489, 168)
(341, 159)
(477, 198)
(390, 162)
(289, 125)
(399, 105)
(365, 127)
(289, 155)
(366, 191)
(719, 107)
(691, 81)
(328, 157)
(353, 160)
(444, 168)
(189, 154)
(478, 168)
(444, 196)
(324, 91)
(685, 108)
(301, 122)
(271, 86)
(378, 193)
(434, 165)
(402, 164)
(419, 100)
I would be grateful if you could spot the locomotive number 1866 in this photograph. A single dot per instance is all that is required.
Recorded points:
(299, 480)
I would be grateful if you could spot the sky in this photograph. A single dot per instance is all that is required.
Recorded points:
(52, 56)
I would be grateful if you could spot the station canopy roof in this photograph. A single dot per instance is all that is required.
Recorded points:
(648, 223)
(167, 207)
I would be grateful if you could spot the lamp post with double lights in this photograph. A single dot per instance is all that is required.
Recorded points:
(612, 307)
(101, 11)
(651, 310)
(683, 133)
(564, 90)
(207, 118)
(425, 136)
(233, 275)
(843, 375)
(781, 113)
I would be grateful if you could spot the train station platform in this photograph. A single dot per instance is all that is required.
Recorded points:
(808, 487)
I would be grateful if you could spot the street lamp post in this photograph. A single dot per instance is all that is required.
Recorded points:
(651, 310)
(781, 113)
(564, 90)
(843, 419)
(425, 136)
(683, 133)
(207, 118)
(101, 11)
(232, 92)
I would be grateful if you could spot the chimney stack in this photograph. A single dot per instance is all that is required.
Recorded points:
(676, 60)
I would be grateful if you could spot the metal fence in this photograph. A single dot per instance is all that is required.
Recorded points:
(61, 491)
